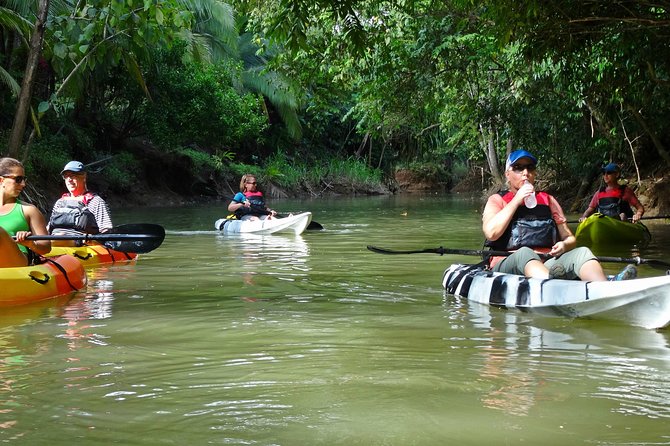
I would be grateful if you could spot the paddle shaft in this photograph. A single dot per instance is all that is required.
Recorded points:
(137, 238)
(487, 253)
(94, 237)
(656, 217)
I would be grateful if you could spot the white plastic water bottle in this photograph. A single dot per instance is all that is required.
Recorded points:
(530, 201)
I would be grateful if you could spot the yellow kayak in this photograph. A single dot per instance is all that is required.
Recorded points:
(93, 254)
(55, 277)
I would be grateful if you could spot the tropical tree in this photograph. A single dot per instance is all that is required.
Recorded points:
(25, 94)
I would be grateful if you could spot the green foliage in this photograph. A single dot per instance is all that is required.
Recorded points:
(438, 86)
(295, 174)
(574, 81)
(123, 171)
(239, 169)
(351, 170)
(279, 169)
(204, 161)
(291, 172)
(90, 39)
(48, 156)
(197, 105)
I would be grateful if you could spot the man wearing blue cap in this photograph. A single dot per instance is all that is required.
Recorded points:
(78, 211)
(613, 199)
(511, 223)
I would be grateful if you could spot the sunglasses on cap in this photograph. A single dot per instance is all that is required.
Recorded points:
(17, 178)
(521, 167)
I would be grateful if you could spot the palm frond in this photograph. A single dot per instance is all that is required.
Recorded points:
(11, 19)
(8, 80)
(279, 92)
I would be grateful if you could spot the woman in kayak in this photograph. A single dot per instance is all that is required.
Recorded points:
(18, 220)
(510, 223)
(248, 204)
(613, 199)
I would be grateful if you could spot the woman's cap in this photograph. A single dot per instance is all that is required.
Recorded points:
(73, 166)
(517, 155)
(611, 168)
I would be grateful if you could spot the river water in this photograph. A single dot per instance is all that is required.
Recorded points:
(313, 339)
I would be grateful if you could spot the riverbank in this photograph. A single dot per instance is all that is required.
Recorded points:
(171, 185)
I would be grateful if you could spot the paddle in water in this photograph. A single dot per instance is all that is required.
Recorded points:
(138, 238)
(487, 253)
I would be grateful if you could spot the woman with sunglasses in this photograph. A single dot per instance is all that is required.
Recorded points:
(78, 211)
(510, 225)
(613, 199)
(248, 203)
(18, 220)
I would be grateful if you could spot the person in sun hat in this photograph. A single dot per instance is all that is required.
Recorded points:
(613, 199)
(510, 225)
(18, 219)
(78, 211)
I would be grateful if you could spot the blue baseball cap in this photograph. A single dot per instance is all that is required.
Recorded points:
(611, 167)
(517, 155)
(73, 166)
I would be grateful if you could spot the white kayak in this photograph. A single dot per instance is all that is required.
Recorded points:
(643, 302)
(295, 224)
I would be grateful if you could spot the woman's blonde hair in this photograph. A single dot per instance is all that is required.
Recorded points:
(244, 179)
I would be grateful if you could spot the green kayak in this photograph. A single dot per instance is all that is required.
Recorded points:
(600, 230)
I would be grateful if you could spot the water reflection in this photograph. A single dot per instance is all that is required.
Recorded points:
(526, 359)
(259, 258)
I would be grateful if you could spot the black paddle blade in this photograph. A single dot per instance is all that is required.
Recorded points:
(314, 226)
(139, 238)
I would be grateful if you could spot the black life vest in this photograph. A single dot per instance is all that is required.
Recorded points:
(611, 202)
(72, 213)
(534, 228)
(257, 205)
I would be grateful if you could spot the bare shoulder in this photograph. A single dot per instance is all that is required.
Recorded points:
(31, 212)
(495, 202)
(29, 208)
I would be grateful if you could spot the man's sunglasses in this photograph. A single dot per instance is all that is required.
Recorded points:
(522, 167)
(17, 178)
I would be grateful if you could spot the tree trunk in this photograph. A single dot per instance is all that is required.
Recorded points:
(488, 144)
(660, 148)
(23, 104)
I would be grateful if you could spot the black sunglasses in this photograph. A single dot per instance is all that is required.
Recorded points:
(522, 167)
(17, 178)
(251, 182)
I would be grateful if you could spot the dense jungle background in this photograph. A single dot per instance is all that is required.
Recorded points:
(170, 101)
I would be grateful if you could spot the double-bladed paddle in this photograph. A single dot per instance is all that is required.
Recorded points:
(486, 253)
(656, 217)
(137, 238)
